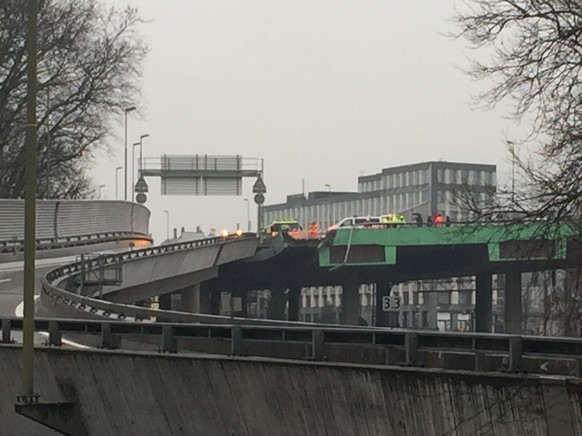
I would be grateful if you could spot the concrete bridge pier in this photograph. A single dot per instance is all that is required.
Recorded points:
(293, 301)
(384, 318)
(513, 303)
(214, 301)
(350, 302)
(195, 299)
(483, 302)
(277, 303)
(165, 301)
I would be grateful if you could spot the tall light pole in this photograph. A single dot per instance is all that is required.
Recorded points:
(30, 185)
(167, 212)
(141, 138)
(135, 144)
(126, 111)
(512, 172)
(116, 179)
(100, 186)
(329, 204)
(48, 143)
(248, 215)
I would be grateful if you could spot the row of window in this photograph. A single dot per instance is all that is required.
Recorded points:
(321, 299)
(396, 180)
(421, 177)
(466, 177)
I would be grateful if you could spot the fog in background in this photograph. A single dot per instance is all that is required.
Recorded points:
(321, 90)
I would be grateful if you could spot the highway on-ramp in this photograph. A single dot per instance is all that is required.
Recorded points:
(11, 283)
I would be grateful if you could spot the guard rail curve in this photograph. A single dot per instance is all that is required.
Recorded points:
(85, 306)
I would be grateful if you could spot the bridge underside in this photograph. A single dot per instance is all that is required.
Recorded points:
(299, 266)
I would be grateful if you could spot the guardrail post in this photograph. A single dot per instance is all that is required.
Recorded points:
(169, 343)
(108, 339)
(55, 336)
(236, 340)
(411, 345)
(515, 349)
(317, 343)
(6, 338)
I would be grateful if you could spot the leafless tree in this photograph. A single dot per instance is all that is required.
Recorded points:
(89, 63)
(531, 52)
(536, 63)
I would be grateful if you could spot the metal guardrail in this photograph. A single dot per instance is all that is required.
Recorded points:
(413, 348)
(107, 309)
(17, 245)
(127, 312)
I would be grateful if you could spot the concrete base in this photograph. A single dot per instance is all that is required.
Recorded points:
(65, 418)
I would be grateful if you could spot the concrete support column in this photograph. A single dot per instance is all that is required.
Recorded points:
(192, 300)
(165, 301)
(513, 304)
(350, 303)
(385, 318)
(214, 297)
(294, 303)
(244, 303)
(276, 304)
(483, 303)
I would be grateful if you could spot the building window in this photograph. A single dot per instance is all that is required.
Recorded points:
(465, 297)
(424, 319)
(405, 298)
(308, 300)
(443, 297)
(440, 175)
(404, 319)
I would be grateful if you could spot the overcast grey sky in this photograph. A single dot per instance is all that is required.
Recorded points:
(324, 90)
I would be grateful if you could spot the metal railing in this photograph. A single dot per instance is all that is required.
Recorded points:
(17, 245)
(446, 350)
(107, 309)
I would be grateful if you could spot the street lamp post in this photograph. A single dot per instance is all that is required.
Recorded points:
(141, 138)
(248, 215)
(30, 188)
(329, 205)
(167, 212)
(100, 186)
(135, 144)
(126, 111)
(116, 178)
(48, 144)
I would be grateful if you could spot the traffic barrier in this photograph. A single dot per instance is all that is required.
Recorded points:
(366, 346)
(57, 220)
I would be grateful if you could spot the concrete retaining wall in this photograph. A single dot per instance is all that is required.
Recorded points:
(179, 395)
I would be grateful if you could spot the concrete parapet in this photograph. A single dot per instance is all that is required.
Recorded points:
(153, 394)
